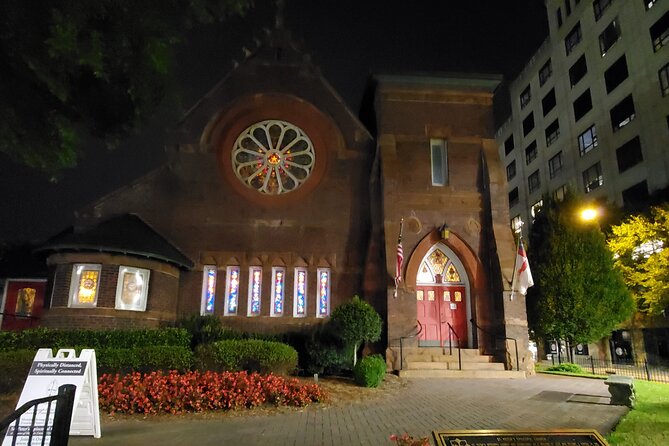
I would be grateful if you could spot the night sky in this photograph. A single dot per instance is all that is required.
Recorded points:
(348, 40)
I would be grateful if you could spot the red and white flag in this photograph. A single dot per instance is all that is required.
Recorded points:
(522, 276)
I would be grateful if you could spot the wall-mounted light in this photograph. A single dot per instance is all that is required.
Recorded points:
(444, 231)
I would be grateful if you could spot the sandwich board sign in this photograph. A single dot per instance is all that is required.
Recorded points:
(47, 373)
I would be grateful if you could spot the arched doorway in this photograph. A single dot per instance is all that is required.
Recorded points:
(443, 298)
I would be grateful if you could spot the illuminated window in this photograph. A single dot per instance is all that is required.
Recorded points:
(231, 290)
(323, 303)
(517, 224)
(420, 295)
(593, 177)
(535, 208)
(587, 140)
(273, 157)
(452, 274)
(424, 274)
(300, 293)
(278, 291)
(255, 290)
(25, 300)
(132, 288)
(208, 290)
(84, 285)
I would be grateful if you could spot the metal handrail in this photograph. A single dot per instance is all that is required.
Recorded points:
(420, 330)
(450, 344)
(60, 432)
(515, 341)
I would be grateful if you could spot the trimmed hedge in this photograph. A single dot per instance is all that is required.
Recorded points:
(144, 359)
(566, 367)
(370, 371)
(14, 367)
(251, 355)
(97, 339)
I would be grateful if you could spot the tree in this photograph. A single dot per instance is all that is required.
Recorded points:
(578, 295)
(357, 322)
(639, 244)
(71, 68)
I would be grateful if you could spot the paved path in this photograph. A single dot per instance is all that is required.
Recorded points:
(423, 405)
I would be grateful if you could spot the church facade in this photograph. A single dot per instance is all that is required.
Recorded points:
(277, 204)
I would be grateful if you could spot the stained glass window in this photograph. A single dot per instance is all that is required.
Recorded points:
(424, 274)
(300, 305)
(273, 157)
(278, 286)
(132, 288)
(84, 285)
(323, 292)
(25, 300)
(452, 274)
(231, 290)
(458, 296)
(255, 289)
(437, 261)
(208, 289)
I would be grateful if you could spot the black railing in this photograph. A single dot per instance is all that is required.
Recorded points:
(643, 370)
(496, 337)
(418, 332)
(450, 345)
(60, 430)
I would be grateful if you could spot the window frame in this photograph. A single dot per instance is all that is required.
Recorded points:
(626, 162)
(582, 105)
(554, 170)
(545, 72)
(525, 97)
(531, 152)
(588, 181)
(554, 135)
(664, 81)
(615, 127)
(662, 38)
(578, 68)
(599, 8)
(232, 289)
(206, 289)
(516, 199)
(511, 170)
(75, 283)
(582, 147)
(297, 289)
(253, 293)
(603, 37)
(611, 82)
(276, 271)
(144, 294)
(534, 182)
(319, 293)
(529, 118)
(573, 38)
(550, 99)
(440, 166)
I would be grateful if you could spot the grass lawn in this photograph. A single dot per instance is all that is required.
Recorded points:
(648, 423)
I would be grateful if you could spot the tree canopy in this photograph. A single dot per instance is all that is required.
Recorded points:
(640, 244)
(70, 68)
(578, 295)
(356, 322)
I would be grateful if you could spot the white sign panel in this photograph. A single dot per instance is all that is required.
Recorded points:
(47, 373)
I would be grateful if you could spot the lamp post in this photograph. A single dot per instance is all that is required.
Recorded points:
(589, 214)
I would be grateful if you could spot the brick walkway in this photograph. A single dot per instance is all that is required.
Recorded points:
(424, 405)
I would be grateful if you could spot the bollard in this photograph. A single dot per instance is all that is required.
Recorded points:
(316, 378)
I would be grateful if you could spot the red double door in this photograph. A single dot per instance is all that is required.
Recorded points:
(438, 306)
(24, 300)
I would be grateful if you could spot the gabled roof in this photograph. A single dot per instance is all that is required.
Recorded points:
(126, 234)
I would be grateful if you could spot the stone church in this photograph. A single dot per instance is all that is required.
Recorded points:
(277, 204)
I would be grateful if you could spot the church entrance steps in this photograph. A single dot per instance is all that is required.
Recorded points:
(482, 374)
(453, 365)
(449, 358)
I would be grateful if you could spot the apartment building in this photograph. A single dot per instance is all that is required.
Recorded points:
(590, 110)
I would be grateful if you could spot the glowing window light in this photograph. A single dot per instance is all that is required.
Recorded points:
(208, 290)
(278, 287)
(255, 287)
(232, 291)
(300, 292)
(323, 292)
(84, 285)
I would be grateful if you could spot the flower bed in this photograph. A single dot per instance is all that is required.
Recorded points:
(176, 392)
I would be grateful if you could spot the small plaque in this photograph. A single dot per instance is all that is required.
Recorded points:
(562, 437)
(454, 306)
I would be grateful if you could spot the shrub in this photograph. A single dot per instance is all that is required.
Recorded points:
(369, 371)
(144, 359)
(97, 339)
(173, 392)
(14, 367)
(566, 367)
(357, 322)
(251, 355)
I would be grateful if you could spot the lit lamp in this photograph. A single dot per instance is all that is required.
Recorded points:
(589, 214)
(444, 231)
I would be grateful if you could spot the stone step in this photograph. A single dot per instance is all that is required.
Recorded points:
(448, 358)
(438, 351)
(483, 374)
(453, 365)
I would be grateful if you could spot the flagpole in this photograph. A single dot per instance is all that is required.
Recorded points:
(398, 265)
(515, 267)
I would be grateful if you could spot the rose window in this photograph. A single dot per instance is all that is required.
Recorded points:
(273, 157)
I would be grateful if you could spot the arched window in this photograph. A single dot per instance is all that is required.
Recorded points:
(437, 267)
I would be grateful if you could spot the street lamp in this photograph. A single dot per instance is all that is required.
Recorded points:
(589, 214)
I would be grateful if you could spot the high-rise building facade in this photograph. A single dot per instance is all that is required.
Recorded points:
(590, 110)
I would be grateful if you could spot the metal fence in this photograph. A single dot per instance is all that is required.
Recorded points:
(40, 419)
(635, 369)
